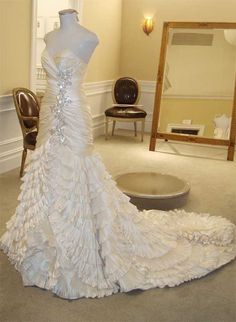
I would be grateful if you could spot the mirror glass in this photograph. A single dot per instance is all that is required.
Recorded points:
(198, 83)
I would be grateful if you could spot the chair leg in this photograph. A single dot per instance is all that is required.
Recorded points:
(106, 135)
(135, 128)
(113, 127)
(142, 132)
(24, 154)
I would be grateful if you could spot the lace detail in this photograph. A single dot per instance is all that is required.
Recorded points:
(62, 101)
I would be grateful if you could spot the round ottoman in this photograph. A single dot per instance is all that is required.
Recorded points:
(151, 190)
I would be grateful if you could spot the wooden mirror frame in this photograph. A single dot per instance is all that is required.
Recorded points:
(155, 134)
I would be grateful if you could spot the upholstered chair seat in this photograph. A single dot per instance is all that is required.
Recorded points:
(126, 95)
(128, 112)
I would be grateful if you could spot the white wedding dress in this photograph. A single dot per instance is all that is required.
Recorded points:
(76, 234)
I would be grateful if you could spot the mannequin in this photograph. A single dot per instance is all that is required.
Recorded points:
(74, 232)
(222, 126)
(71, 36)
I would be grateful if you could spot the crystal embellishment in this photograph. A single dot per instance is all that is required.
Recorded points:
(62, 100)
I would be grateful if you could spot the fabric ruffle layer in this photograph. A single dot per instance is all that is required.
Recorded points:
(77, 235)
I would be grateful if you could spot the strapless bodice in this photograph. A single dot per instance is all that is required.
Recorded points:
(76, 234)
(65, 60)
(64, 114)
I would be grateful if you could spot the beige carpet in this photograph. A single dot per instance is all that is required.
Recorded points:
(210, 299)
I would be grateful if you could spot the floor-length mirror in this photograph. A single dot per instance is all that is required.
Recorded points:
(195, 94)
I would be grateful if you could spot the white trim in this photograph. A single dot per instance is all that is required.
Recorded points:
(76, 4)
(6, 103)
(90, 88)
(81, 11)
(10, 160)
(98, 125)
(94, 88)
(5, 96)
(10, 157)
(149, 117)
(79, 6)
(150, 87)
(199, 97)
(9, 141)
(98, 120)
(10, 152)
(7, 109)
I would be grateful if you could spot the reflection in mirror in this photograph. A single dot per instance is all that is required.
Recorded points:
(195, 87)
(198, 83)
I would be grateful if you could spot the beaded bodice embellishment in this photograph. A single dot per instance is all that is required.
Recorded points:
(62, 100)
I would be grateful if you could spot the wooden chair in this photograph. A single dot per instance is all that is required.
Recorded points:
(125, 93)
(27, 108)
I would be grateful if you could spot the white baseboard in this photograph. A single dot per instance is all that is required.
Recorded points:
(11, 149)
(10, 154)
(6, 103)
(98, 125)
(11, 145)
(99, 98)
(95, 88)
(11, 160)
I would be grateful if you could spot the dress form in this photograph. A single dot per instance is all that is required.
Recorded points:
(74, 232)
(71, 36)
(222, 126)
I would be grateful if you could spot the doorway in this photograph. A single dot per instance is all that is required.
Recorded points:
(45, 19)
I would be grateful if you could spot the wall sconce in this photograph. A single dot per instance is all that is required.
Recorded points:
(148, 25)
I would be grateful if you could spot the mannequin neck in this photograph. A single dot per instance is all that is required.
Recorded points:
(68, 20)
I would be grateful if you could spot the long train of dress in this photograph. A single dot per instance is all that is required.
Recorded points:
(76, 234)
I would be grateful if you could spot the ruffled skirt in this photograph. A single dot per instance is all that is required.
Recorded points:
(76, 234)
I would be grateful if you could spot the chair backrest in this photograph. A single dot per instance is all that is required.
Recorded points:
(126, 91)
(26, 104)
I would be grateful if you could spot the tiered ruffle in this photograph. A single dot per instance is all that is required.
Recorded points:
(77, 235)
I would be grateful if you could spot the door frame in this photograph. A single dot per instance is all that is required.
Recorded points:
(76, 4)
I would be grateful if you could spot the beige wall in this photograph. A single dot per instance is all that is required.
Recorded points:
(15, 44)
(104, 18)
(200, 111)
(202, 70)
(139, 53)
(101, 16)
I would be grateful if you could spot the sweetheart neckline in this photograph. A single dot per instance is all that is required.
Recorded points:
(52, 59)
